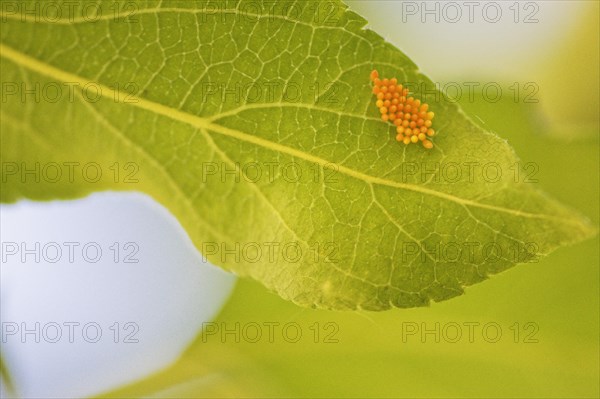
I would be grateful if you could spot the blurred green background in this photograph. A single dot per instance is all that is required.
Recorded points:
(559, 294)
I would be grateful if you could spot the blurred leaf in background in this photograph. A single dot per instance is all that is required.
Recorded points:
(571, 80)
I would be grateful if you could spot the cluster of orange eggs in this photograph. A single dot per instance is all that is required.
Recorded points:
(412, 121)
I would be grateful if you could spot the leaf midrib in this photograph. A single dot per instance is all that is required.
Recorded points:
(202, 123)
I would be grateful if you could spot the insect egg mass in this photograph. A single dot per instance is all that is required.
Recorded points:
(412, 119)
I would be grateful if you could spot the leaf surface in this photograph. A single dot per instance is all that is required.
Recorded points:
(257, 128)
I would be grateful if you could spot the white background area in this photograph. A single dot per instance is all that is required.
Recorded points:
(169, 293)
(473, 39)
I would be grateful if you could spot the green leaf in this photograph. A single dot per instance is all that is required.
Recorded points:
(337, 218)
(5, 378)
